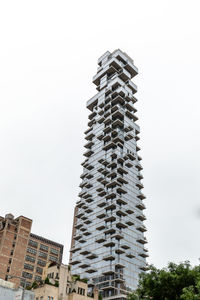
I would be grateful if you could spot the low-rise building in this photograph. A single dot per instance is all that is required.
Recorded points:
(8, 291)
(59, 284)
(23, 254)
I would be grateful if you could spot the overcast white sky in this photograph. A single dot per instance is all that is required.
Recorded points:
(48, 55)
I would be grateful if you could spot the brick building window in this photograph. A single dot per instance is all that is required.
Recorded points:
(44, 247)
(42, 254)
(28, 267)
(30, 258)
(33, 243)
(39, 270)
(32, 251)
(54, 251)
(52, 258)
(41, 263)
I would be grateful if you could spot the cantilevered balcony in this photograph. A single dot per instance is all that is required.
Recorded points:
(109, 257)
(142, 240)
(100, 239)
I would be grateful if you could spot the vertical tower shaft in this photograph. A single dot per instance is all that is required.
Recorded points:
(108, 235)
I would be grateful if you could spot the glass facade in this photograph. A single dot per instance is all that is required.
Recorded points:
(108, 233)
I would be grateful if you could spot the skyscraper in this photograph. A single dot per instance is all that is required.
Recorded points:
(108, 232)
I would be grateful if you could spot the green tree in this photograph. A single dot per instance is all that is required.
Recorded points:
(177, 281)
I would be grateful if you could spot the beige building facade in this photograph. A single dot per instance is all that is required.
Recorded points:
(63, 286)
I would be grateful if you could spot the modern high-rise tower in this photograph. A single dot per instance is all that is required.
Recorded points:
(108, 232)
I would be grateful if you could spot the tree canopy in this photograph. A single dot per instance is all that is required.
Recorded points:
(175, 282)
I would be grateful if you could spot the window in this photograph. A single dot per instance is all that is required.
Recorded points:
(11, 252)
(52, 258)
(30, 258)
(43, 247)
(29, 267)
(33, 243)
(38, 278)
(10, 260)
(27, 275)
(39, 270)
(8, 269)
(54, 251)
(41, 263)
(32, 251)
(42, 254)
(50, 298)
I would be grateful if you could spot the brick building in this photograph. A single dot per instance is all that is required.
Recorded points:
(22, 253)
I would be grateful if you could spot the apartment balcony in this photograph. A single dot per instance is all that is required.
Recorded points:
(87, 222)
(125, 246)
(120, 212)
(77, 237)
(75, 249)
(92, 270)
(111, 195)
(124, 75)
(141, 217)
(89, 200)
(109, 229)
(100, 136)
(132, 86)
(131, 155)
(118, 235)
(130, 255)
(110, 205)
(102, 203)
(85, 265)
(121, 224)
(128, 163)
(138, 166)
(92, 115)
(129, 222)
(79, 214)
(100, 239)
(110, 217)
(121, 201)
(92, 256)
(109, 243)
(129, 211)
(120, 265)
(140, 176)
(102, 193)
(85, 252)
(109, 145)
(114, 183)
(74, 262)
(144, 254)
(101, 215)
(89, 136)
(142, 240)
(89, 145)
(88, 153)
(100, 119)
(119, 250)
(118, 123)
(144, 268)
(122, 180)
(117, 99)
(107, 129)
(141, 206)
(141, 196)
(139, 185)
(100, 227)
(109, 257)
(141, 228)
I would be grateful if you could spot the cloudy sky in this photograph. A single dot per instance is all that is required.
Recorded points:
(48, 55)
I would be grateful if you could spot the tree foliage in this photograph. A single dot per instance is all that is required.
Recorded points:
(176, 282)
